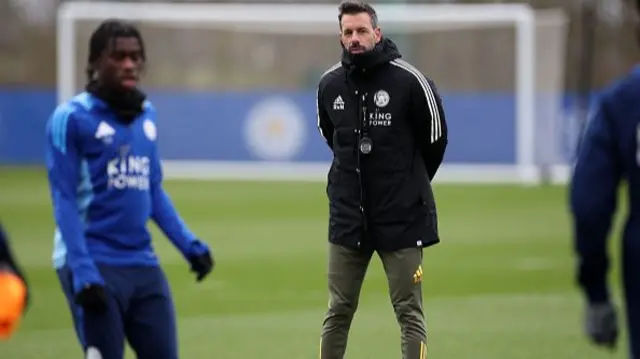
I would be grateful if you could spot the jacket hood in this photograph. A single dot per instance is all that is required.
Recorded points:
(384, 51)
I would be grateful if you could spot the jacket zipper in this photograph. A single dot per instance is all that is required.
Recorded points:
(362, 109)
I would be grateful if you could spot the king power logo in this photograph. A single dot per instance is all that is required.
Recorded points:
(129, 172)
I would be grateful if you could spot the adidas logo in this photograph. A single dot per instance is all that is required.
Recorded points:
(338, 103)
(417, 276)
(104, 131)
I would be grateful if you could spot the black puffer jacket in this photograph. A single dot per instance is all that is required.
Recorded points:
(381, 199)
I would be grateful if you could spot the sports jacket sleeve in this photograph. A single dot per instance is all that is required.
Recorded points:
(6, 256)
(325, 126)
(166, 217)
(63, 158)
(430, 126)
(593, 190)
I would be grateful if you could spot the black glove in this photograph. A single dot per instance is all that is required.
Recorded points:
(601, 324)
(202, 265)
(93, 298)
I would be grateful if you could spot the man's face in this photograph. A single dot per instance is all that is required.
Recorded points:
(356, 33)
(121, 63)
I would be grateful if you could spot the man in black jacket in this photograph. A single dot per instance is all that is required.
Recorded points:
(384, 122)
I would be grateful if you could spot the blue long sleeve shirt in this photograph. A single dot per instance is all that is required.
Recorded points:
(105, 179)
(609, 152)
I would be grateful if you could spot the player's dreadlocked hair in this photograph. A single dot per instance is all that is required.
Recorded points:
(104, 35)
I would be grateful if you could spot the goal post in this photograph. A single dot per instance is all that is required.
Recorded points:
(297, 153)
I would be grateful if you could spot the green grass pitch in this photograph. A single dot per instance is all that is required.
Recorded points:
(499, 286)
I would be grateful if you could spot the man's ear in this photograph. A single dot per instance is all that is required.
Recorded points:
(94, 71)
(340, 40)
(377, 32)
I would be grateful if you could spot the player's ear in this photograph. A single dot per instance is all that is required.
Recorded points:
(377, 33)
(96, 72)
(91, 72)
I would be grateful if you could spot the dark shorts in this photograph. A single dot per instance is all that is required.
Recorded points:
(140, 310)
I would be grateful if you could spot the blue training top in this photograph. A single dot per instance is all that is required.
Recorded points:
(609, 154)
(105, 180)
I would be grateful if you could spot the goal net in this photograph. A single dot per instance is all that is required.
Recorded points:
(234, 84)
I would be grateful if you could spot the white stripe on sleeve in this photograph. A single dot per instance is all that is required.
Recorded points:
(436, 122)
(332, 68)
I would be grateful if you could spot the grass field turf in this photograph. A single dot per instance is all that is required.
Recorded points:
(500, 285)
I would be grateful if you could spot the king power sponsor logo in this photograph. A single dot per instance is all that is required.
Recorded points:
(129, 172)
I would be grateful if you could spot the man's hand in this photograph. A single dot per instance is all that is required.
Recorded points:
(202, 265)
(92, 297)
(601, 324)
(200, 259)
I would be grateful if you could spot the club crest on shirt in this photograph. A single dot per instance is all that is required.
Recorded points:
(150, 130)
(381, 98)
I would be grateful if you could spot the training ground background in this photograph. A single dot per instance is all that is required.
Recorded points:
(500, 285)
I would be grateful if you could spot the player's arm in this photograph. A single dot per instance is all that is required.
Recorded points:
(430, 125)
(63, 165)
(325, 126)
(593, 198)
(167, 218)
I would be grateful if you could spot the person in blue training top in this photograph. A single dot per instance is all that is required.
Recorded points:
(609, 153)
(105, 179)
